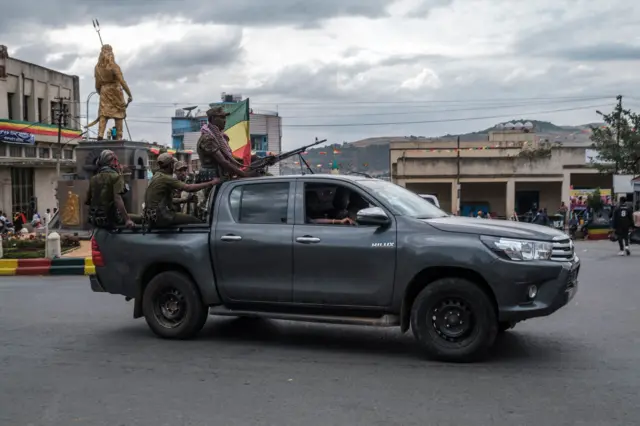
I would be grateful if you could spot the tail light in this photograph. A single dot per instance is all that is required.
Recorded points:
(96, 256)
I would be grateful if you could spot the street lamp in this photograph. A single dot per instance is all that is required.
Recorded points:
(88, 99)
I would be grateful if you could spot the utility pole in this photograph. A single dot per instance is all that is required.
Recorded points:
(618, 119)
(60, 115)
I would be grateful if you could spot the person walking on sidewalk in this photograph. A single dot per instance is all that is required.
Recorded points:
(622, 223)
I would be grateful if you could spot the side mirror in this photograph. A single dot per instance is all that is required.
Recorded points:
(372, 216)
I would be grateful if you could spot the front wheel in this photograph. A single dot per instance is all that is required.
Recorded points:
(454, 320)
(172, 306)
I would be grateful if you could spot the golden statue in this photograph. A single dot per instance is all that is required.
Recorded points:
(71, 212)
(109, 85)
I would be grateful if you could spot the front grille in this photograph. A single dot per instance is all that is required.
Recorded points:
(563, 250)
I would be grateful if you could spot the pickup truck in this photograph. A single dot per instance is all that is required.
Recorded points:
(274, 247)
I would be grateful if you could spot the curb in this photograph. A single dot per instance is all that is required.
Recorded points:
(60, 266)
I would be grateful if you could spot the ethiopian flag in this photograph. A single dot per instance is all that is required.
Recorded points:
(237, 129)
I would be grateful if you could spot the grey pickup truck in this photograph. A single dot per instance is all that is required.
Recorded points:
(342, 250)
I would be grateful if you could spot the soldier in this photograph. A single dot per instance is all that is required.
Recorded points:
(181, 197)
(216, 157)
(159, 207)
(104, 198)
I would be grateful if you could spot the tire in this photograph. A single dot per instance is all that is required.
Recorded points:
(172, 306)
(505, 325)
(467, 340)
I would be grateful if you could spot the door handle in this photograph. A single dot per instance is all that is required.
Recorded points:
(308, 240)
(231, 238)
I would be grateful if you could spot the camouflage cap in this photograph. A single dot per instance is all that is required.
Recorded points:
(180, 165)
(106, 157)
(165, 159)
(217, 111)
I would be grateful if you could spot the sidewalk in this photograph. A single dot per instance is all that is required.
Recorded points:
(83, 251)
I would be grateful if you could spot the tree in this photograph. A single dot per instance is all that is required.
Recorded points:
(617, 142)
(594, 201)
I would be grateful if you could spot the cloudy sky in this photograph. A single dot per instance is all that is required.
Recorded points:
(346, 69)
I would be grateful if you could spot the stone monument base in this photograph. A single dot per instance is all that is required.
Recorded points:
(72, 193)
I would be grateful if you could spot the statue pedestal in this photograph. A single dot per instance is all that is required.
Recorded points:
(72, 194)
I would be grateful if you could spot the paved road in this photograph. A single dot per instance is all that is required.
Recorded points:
(72, 357)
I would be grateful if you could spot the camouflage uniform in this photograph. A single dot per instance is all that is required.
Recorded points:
(211, 141)
(159, 209)
(180, 197)
(107, 182)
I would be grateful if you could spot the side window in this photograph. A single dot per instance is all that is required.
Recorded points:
(263, 203)
(325, 203)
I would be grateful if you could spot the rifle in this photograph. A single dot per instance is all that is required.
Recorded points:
(261, 164)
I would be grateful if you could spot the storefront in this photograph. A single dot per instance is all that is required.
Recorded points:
(29, 160)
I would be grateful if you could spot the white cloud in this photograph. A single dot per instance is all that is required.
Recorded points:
(343, 50)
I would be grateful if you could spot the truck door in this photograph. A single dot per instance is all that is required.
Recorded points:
(340, 265)
(252, 241)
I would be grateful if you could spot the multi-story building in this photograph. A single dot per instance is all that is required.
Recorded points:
(265, 128)
(513, 169)
(31, 100)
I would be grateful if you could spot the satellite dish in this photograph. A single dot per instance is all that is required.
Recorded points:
(509, 126)
(189, 109)
(500, 126)
(518, 125)
(528, 125)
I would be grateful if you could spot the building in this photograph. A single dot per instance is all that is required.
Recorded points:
(30, 102)
(513, 169)
(265, 128)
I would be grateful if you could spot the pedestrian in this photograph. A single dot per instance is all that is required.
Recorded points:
(47, 217)
(622, 224)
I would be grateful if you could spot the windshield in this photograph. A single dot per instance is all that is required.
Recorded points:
(402, 201)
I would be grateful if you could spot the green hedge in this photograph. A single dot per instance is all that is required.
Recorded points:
(33, 248)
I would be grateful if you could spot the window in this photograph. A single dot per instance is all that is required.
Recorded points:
(10, 106)
(25, 108)
(53, 114)
(259, 143)
(264, 203)
(44, 153)
(331, 201)
(40, 117)
(401, 201)
(68, 154)
(15, 150)
(30, 151)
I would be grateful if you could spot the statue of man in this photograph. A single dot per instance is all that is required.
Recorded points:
(109, 85)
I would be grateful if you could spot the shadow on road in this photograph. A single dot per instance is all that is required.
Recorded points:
(512, 346)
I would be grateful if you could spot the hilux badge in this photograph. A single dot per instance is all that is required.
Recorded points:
(383, 244)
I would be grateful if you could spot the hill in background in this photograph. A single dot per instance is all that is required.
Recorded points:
(371, 155)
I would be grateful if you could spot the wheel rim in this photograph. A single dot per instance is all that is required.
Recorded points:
(170, 308)
(452, 319)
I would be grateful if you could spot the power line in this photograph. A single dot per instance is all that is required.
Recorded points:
(175, 104)
(447, 120)
(443, 120)
(408, 112)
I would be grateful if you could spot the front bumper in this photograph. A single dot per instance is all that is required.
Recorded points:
(554, 292)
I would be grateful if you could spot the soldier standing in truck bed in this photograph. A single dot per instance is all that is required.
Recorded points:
(160, 211)
(104, 198)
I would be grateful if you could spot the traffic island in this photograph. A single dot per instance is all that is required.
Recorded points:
(58, 266)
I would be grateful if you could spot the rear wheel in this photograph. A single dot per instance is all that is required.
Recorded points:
(454, 320)
(172, 306)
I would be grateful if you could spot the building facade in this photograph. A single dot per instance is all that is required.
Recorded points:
(512, 170)
(31, 100)
(265, 128)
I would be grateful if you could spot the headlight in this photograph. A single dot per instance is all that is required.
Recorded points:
(519, 249)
